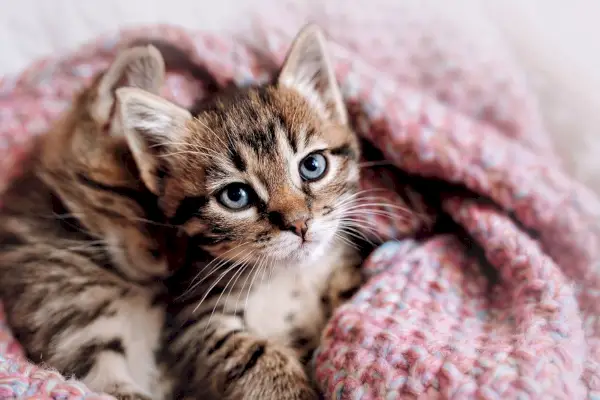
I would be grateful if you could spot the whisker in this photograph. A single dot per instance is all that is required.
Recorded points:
(215, 283)
(233, 280)
(373, 211)
(360, 230)
(254, 268)
(356, 234)
(359, 194)
(211, 131)
(352, 228)
(345, 240)
(241, 268)
(219, 260)
(384, 205)
(382, 213)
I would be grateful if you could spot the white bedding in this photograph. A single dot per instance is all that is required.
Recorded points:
(556, 42)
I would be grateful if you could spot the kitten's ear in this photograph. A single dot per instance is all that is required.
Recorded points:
(152, 126)
(141, 66)
(308, 70)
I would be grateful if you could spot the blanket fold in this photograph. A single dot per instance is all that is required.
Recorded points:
(429, 323)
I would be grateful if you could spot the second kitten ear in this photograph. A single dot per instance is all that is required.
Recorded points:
(141, 66)
(308, 70)
(152, 127)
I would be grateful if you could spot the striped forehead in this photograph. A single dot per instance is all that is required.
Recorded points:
(261, 157)
(255, 127)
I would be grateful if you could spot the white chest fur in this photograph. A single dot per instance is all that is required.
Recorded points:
(290, 301)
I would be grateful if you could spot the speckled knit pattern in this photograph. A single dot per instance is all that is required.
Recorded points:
(426, 324)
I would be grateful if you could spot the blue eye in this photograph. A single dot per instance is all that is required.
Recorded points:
(235, 196)
(313, 167)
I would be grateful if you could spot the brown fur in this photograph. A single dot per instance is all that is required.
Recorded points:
(252, 335)
(82, 242)
(83, 260)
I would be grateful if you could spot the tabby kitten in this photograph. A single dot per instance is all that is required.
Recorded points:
(79, 252)
(263, 180)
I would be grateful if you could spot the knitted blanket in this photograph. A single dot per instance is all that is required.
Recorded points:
(428, 323)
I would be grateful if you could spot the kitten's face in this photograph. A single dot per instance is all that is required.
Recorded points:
(88, 163)
(260, 173)
(268, 173)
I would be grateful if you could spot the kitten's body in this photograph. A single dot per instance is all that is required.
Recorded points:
(85, 280)
(268, 301)
(63, 224)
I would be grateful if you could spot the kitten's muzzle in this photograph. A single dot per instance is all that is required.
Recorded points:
(299, 227)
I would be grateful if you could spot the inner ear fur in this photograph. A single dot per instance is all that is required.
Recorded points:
(141, 66)
(308, 70)
(153, 127)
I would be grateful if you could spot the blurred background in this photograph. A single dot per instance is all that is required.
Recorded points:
(555, 42)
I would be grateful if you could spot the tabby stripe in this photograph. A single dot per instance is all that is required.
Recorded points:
(188, 208)
(199, 240)
(291, 136)
(262, 141)
(263, 95)
(11, 239)
(219, 343)
(299, 338)
(232, 350)
(237, 159)
(219, 310)
(108, 212)
(178, 331)
(68, 223)
(144, 198)
(308, 135)
(256, 351)
(82, 364)
(118, 190)
(348, 293)
(198, 295)
(76, 319)
(344, 151)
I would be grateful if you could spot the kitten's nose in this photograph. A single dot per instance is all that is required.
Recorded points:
(299, 227)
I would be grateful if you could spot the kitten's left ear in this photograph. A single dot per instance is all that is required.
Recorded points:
(308, 70)
(152, 126)
(141, 66)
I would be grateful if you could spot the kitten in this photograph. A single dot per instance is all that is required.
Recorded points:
(86, 282)
(264, 182)
(79, 252)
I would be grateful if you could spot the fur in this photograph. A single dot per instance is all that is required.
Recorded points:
(255, 306)
(126, 181)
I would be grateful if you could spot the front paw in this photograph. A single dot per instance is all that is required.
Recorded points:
(268, 372)
(131, 396)
(343, 284)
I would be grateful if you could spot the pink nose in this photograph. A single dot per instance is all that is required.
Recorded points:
(299, 227)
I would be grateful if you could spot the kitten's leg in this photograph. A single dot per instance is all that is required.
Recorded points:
(343, 283)
(82, 320)
(225, 361)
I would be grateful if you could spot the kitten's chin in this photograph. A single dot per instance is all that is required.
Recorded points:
(302, 254)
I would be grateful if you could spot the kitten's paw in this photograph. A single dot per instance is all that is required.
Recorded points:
(343, 284)
(268, 372)
(127, 392)
(130, 396)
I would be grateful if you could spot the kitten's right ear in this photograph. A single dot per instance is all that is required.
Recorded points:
(152, 126)
(308, 70)
(142, 67)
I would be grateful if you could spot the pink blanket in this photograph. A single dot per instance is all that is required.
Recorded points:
(427, 324)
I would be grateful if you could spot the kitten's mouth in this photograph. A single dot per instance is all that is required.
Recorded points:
(299, 249)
